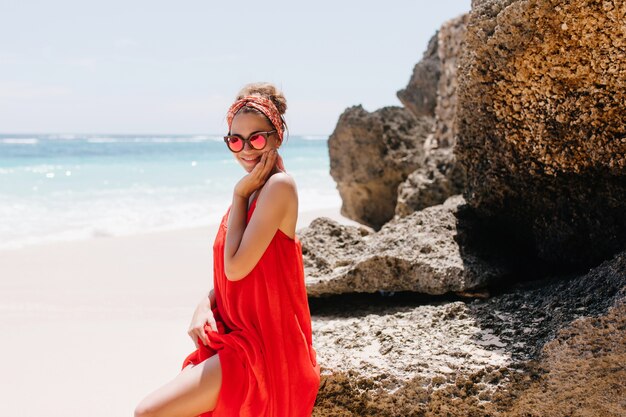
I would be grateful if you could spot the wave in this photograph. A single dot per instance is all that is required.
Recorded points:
(102, 140)
(20, 141)
(314, 137)
(193, 139)
(42, 168)
(61, 136)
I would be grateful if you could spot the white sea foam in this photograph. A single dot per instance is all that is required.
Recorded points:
(184, 139)
(99, 215)
(62, 136)
(73, 191)
(42, 168)
(200, 138)
(102, 140)
(39, 169)
(20, 141)
(315, 137)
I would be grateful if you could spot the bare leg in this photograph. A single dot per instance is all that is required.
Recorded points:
(193, 391)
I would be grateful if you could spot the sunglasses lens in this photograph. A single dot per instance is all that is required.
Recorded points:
(257, 141)
(235, 144)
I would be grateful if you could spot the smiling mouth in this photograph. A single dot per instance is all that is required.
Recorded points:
(251, 159)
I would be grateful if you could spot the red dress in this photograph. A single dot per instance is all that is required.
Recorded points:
(264, 340)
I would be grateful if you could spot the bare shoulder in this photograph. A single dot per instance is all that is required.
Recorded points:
(281, 185)
(280, 202)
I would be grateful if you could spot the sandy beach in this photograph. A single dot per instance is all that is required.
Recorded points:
(90, 327)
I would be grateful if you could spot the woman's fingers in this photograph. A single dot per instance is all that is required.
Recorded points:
(269, 162)
(199, 332)
(198, 329)
(259, 168)
(264, 167)
(212, 324)
(200, 335)
(264, 164)
(204, 338)
(259, 174)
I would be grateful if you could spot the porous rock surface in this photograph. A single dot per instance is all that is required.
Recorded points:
(541, 124)
(370, 155)
(538, 348)
(423, 252)
(439, 175)
(540, 132)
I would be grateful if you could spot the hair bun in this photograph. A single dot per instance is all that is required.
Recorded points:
(267, 90)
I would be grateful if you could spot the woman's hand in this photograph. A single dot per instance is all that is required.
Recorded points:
(259, 174)
(201, 317)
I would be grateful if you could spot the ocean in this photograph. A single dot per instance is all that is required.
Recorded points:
(71, 187)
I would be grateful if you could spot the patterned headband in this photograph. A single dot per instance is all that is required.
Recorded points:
(266, 106)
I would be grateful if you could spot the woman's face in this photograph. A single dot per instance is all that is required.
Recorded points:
(245, 124)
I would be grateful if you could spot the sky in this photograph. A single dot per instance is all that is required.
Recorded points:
(163, 67)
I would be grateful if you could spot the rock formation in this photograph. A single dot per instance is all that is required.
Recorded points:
(539, 128)
(439, 176)
(542, 126)
(432, 174)
(423, 252)
(550, 347)
(420, 95)
(370, 154)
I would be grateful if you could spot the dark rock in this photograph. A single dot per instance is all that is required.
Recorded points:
(420, 95)
(542, 126)
(424, 252)
(439, 175)
(539, 348)
(370, 154)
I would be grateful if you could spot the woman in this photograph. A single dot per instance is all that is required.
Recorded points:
(254, 354)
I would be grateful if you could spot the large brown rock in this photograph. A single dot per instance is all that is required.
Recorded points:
(425, 252)
(540, 348)
(451, 38)
(370, 154)
(439, 175)
(542, 126)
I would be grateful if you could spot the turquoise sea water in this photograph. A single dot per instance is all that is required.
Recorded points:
(67, 187)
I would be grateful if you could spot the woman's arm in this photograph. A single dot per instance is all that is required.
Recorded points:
(246, 244)
(202, 315)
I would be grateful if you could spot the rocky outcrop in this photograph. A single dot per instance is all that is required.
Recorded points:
(420, 95)
(585, 363)
(380, 188)
(439, 175)
(433, 317)
(539, 348)
(424, 252)
(451, 38)
(370, 154)
(542, 127)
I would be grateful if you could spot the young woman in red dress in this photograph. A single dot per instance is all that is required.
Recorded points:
(254, 355)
